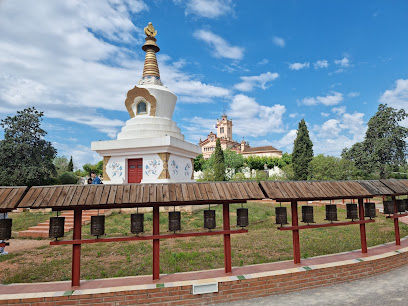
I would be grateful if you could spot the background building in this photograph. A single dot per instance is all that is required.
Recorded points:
(224, 132)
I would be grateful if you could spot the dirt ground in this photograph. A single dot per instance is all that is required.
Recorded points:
(17, 245)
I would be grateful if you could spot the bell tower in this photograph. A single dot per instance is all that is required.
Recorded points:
(224, 128)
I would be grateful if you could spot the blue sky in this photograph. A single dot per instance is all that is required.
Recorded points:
(267, 64)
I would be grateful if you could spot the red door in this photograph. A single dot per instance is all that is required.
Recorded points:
(135, 170)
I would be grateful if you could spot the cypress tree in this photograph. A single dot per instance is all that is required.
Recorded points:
(219, 165)
(70, 167)
(302, 152)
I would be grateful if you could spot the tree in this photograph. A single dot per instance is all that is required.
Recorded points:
(199, 162)
(384, 143)
(61, 164)
(219, 166)
(302, 152)
(26, 158)
(70, 166)
(333, 168)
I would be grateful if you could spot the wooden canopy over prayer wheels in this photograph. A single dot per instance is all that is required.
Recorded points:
(352, 211)
(136, 223)
(209, 219)
(56, 229)
(242, 217)
(307, 214)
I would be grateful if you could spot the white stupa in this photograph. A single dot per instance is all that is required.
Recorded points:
(150, 148)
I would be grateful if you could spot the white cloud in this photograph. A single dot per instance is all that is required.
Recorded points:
(329, 129)
(207, 8)
(344, 62)
(221, 48)
(286, 142)
(80, 154)
(63, 67)
(325, 114)
(279, 41)
(353, 94)
(253, 119)
(321, 64)
(397, 97)
(331, 99)
(249, 82)
(340, 110)
(298, 66)
(294, 115)
(262, 62)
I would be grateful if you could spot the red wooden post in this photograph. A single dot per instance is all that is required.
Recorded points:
(363, 236)
(227, 238)
(396, 225)
(156, 243)
(295, 233)
(76, 249)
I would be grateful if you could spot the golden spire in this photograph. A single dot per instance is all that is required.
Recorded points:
(151, 74)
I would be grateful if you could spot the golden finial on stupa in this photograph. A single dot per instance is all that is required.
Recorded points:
(150, 31)
(151, 74)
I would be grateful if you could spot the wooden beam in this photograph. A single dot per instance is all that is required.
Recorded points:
(293, 228)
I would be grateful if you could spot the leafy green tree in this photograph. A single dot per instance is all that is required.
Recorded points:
(61, 164)
(70, 166)
(333, 168)
(67, 177)
(199, 163)
(384, 143)
(26, 158)
(219, 165)
(88, 168)
(302, 152)
(233, 160)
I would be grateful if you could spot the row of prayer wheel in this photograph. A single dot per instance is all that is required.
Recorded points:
(56, 229)
(331, 213)
(402, 206)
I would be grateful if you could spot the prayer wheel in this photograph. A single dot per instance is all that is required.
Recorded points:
(369, 210)
(56, 227)
(352, 211)
(307, 214)
(281, 215)
(406, 204)
(209, 219)
(242, 217)
(136, 223)
(98, 225)
(401, 206)
(174, 221)
(388, 207)
(331, 212)
(5, 229)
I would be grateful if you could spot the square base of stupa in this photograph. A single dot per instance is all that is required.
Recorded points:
(164, 159)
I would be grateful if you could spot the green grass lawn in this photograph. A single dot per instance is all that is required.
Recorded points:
(26, 219)
(264, 243)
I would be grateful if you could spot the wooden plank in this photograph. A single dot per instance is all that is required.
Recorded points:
(24, 201)
(90, 199)
(306, 189)
(214, 189)
(146, 193)
(2, 190)
(341, 189)
(8, 202)
(197, 192)
(61, 199)
(105, 194)
(84, 195)
(295, 193)
(70, 195)
(221, 191)
(98, 194)
(191, 193)
(33, 197)
(248, 189)
(179, 193)
(318, 188)
(14, 199)
(166, 193)
(126, 193)
(184, 190)
(172, 192)
(112, 194)
(159, 193)
(282, 190)
(140, 192)
(133, 193)
(233, 192)
(203, 191)
(152, 193)
(77, 195)
(119, 195)
(242, 191)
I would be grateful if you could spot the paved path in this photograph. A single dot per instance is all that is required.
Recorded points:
(389, 289)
